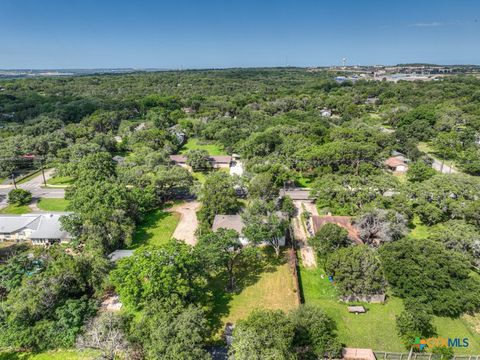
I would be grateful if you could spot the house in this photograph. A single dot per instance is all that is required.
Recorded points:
(326, 112)
(296, 194)
(40, 229)
(120, 160)
(219, 161)
(235, 222)
(397, 164)
(372, 101)
(316, 222)
(236, 166)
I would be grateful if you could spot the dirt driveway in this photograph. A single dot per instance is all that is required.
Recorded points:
(307, 253)
(188, 223)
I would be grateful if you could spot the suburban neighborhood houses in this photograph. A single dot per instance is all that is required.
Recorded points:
(183, 221)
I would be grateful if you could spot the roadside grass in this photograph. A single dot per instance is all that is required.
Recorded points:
(376, 329)
(59, 181)
(52, 204)
(50, 355)
(29, 177)
(268, 284)
(196, 144)
(15, 209)
(428, 149)
(156, 228)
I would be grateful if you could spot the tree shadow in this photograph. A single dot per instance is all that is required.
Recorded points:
(247, 275)
(142, 234)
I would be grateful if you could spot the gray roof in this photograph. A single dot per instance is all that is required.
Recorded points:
(120, 254)
(233, 222)
(44, 226)
(296, 194)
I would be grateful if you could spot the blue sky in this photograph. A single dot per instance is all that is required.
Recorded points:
(209, 33)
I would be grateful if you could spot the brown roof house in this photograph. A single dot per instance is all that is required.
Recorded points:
(218, 161)
(398, 163)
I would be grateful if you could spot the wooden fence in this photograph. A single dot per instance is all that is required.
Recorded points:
(383, 355)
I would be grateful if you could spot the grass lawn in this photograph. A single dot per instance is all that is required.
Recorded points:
(376, 329)
(196, 144)
(267, 286)
(29, 177)
(156, 228)
(59, 181)
(15, 209)
(201, 176)
(50, 355)
(51, 204)
(304, 182)
(419, 231)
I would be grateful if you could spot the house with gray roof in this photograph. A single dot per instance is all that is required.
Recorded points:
(235, 222)
(40, 229)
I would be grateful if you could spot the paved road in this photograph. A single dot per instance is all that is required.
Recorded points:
(445, 169)
(35, 187)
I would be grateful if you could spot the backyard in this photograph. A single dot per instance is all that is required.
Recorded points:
(376, 329)
(156, 228)
(269, 285)
(194, 144)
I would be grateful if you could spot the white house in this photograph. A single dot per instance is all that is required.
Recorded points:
(40, 229)
(235, 222)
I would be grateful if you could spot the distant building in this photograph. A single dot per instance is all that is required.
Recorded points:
(397, 164)
(120, 254)
(326, 112)
(372, 101)
(40, 229)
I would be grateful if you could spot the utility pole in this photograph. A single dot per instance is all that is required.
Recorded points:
(43, 173)
(14, 182)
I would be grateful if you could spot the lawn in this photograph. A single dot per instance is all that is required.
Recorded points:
(304, 182)
(196, 144)
(15, 209)
(50, 355)
(266, 286)
(51, 204)
(29, 177)
(419, 231)
(60, 181)
(376, 329)
(156, 228)
(201, 176)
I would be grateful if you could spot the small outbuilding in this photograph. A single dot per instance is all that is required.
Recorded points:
(357, 309)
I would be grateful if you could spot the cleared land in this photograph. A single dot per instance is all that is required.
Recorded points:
(156, 228)
(51, 204)
(195, 144)
(60, 181)
(268, 286)
(376, 329)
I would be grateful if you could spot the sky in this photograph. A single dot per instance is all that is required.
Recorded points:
(180, 34)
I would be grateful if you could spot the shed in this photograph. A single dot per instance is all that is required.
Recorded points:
(357, 309)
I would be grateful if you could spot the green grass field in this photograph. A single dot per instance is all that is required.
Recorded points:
(15, 209)
(376, 329)
(419, 231)
(50, 355)
(156, 228)
(51, 204)
(266, 285)
(196, 144)
(60, 181)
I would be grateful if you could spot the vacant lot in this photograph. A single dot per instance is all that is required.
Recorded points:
(266, 286)
(156, 228)
(376, 329)
(50, 204)
(195, 144)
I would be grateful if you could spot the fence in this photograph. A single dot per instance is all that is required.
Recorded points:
(293, 262)
(382, 355)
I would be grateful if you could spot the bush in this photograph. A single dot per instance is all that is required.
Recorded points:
(19, 197)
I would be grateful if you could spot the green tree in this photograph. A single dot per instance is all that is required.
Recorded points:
(218, 196)
(172, 331)
(19, 197)
(199, 160)
(356, 271)
(328, 239)
(265, 334)
(160, 273)
(419, 171)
